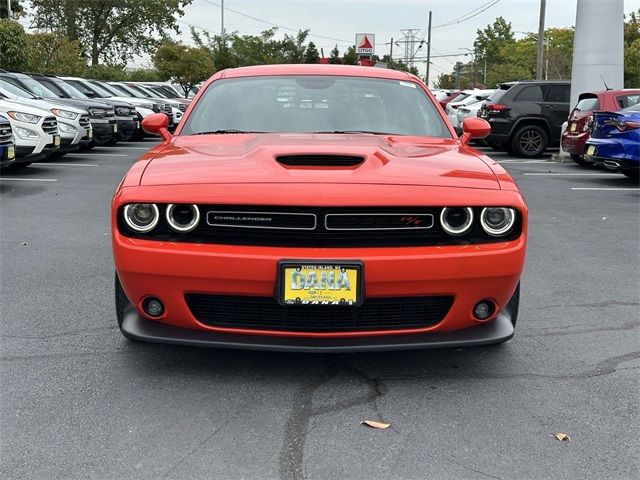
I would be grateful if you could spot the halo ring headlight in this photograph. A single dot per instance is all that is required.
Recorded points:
(497, 221)
(180, 225)
(456, 230)
(141, 217)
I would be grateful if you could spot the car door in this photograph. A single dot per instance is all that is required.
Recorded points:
(556, 107)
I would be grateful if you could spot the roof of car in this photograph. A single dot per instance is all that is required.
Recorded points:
(315, 69)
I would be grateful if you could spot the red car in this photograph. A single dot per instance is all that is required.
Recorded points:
(577, 133)
(317, 208)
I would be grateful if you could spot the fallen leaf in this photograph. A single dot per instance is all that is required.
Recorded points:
(373, 424)
(563, 437)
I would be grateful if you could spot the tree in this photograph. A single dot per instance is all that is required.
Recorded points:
(489, 41)
(16, 9)
(444, 81)
(350, 57)
(13, 45)
(293, 49)
(112, 73)
(112, 30)
(186, 66)
(54, 53)
(334, 57)
(145, 75)
(632, 50)
(311, 54)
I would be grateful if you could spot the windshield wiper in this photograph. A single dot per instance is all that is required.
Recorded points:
(371, 132)
(223, 131)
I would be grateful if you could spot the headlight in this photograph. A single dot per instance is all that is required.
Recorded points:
(497, 221)
(183, 218)
(97, 112)
(64, 114)
(66, 128)
(24, 117)
(456, 220)
(25, 132)
(141, 217)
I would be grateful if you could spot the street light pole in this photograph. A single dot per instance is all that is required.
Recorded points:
(426, 78)
(222, 18)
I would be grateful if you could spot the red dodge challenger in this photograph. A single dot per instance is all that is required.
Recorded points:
(317, 208)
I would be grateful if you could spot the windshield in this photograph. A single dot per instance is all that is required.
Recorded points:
(12, 90)
(127, 92)
(36, 87)
(328, 104)
(139, 90)
(103, 89)
(61, 88)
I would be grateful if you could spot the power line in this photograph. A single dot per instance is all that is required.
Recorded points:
(469, 15)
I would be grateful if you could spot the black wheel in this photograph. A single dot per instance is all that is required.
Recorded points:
(580, 160)
(122, 302)
(514, 305)
(633, 174)
(530, 141)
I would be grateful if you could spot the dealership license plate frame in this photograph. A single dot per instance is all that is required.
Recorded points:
(282, 282)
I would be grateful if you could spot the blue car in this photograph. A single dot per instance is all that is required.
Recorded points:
(615, 141)
(7, 145)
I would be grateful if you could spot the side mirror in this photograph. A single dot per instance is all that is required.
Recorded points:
(474, 128)
(156, 124)
(89, 93)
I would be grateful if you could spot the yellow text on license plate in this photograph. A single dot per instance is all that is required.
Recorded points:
(320, 285)
(591, 150)
(574, 127)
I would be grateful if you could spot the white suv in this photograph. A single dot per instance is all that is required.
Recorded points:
(35, 131)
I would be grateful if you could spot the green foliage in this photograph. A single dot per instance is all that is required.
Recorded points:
(55, 54)
(187, 66)
(17, 9)
(444, 81)
(145, 75)
(350, 57)
(113, 73)
(334, 56)
(311, 54)
(492, 39)
(13, 45)
(110, 30)
(632, 51)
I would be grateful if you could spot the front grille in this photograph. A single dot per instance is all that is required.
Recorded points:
(182, 107)
(50, 125)
(334, 227)
(84, 121)
(5, 134)
(319, 160)
(264, 313)
(167, 110)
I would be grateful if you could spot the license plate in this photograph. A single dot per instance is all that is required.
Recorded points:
(115, 128)
(310, 283)
(11, 152)
(574, 127)
(591, 150)
(56, 140)
(90, 133)
(137, 125)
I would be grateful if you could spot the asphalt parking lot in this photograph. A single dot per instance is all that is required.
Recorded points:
(79, 401)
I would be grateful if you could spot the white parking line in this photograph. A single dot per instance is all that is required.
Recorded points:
(12, 179)
(64, 165)
(133, 148)
(551, 174)
(620, 189)
(522, 161)
(95, 154)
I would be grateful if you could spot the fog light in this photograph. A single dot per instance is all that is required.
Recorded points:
(153, 307)
(484, 309)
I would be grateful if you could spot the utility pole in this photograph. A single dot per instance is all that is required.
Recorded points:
(540, 53)
(428, 51)
(222, 18)
(458, 65)
(389, 65)
(9, 13)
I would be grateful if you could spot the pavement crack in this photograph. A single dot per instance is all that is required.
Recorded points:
(558, 333)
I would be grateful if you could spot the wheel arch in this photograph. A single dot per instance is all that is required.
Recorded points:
(523, 122)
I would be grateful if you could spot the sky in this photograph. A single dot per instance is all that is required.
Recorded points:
(335, 22)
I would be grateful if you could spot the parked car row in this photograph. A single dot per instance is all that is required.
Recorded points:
(45, 116)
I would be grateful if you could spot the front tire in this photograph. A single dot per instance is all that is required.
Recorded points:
(530, 141)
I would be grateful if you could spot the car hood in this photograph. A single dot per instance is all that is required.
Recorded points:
(20, 106)
(48, 104)
(247, 158)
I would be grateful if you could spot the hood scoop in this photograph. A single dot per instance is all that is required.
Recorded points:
(319, 160)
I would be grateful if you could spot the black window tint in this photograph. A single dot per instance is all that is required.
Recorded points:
(531, 93)
(626, 101)
(558, 93)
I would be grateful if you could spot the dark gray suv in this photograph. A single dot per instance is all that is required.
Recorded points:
(526, 117)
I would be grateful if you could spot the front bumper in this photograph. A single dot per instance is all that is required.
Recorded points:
(127, 127)
(135, 327)
(171, 270)
(104, 131)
